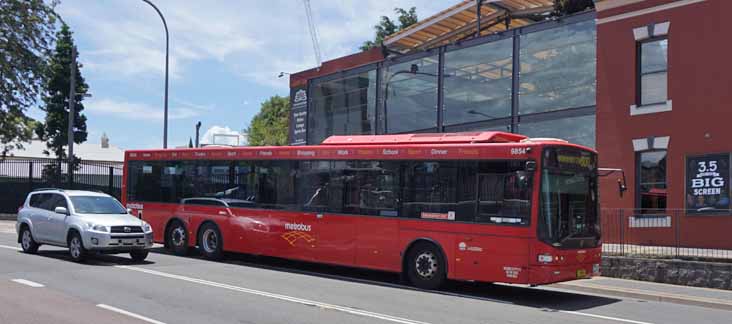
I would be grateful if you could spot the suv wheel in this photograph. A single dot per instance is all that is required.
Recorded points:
(139, 256)
(177, 237)
(27, 242)
(76, 247)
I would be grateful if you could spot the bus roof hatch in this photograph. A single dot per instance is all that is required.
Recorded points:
(427, 138)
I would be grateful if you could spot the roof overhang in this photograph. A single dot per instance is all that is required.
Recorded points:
(461, 21)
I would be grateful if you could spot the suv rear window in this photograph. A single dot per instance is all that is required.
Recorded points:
(37, 199)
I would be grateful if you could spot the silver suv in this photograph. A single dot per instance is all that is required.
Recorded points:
(84, 222)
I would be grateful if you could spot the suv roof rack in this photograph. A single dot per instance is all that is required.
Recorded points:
(46, 189)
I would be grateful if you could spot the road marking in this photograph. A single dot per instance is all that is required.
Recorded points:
(605, 317)
(28, 283)
(124, 312)
(10, 247)
(307, 302)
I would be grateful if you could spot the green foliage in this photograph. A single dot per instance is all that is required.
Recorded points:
(54, 130)
(568, 7)
(387, 26)
(269, 126)
(26, 37)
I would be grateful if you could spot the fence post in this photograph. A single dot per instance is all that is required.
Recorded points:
(111, 181)
(30, 176)
(621, 216)
(677, 228)
(70, 172)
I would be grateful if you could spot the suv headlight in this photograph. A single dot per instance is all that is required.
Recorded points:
(99, 228)
(146, 227)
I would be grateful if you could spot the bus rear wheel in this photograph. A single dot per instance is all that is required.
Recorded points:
(177, 238)
(425, 266)
(210, 242)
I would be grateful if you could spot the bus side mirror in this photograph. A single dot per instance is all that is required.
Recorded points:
(603, 172)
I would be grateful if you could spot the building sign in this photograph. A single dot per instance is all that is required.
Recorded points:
(707, 183)
(298, 115)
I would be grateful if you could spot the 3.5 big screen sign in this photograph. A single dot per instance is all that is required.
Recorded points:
(707, 183)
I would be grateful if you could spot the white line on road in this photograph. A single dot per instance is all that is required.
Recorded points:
(124, 312)
(28, 283)
(604, 317)
(10, 247)
(307, 302)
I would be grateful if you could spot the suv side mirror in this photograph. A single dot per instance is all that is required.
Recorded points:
(129, 211)
(61, 210)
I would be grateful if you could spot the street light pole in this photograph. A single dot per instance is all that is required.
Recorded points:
(165, 116)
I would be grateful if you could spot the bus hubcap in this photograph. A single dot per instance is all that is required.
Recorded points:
(26, 239)
(426, 265)
(210, 241)
(179, 236)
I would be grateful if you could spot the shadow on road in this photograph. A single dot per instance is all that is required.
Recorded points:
(93, 259)
(549, 300)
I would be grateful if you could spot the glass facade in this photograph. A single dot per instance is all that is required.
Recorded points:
(558, 68)
(538, 80)
(410, 95)
(477, 82)
(342, 106)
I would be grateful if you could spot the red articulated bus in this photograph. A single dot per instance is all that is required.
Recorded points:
(483, 206)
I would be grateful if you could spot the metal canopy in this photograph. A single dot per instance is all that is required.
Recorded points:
(461, 21)
(428, 138)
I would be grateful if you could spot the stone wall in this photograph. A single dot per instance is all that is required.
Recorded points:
(679, 272)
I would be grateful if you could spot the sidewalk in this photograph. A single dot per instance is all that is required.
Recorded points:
(706, 297)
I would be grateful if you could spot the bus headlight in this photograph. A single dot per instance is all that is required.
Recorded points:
(545, 258)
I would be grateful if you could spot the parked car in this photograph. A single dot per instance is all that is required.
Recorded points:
(86, 222)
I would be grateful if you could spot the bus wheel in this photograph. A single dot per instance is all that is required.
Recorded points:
(210, 242)
(425, 266)
(177, 238)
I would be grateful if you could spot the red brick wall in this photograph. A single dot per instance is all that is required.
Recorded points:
(700, 87)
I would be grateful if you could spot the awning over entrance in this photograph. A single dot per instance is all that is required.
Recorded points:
(461, 21)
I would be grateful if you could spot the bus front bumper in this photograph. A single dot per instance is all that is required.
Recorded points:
(548, 274)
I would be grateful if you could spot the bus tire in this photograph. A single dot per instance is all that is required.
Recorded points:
(425, 266)
(210, 241)
(177, 238)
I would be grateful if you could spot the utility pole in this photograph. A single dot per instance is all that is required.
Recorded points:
(198, 128)
(72, 101)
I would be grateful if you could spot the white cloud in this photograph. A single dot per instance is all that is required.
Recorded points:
(257, 39)
(223, 135)
(141, 111)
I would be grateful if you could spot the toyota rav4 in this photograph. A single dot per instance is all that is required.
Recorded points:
(83, 221)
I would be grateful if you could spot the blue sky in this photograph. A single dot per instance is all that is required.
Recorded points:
(225, 58)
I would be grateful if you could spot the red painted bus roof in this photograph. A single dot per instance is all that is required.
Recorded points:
(430, 138)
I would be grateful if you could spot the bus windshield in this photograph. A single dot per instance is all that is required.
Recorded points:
(569, 204)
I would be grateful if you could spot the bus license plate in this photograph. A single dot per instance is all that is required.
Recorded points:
(581, 273)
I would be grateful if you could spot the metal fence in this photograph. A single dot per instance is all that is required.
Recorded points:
(19, 176)
(665, 234)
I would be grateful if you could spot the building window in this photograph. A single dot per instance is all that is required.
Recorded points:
(410, 95)
(477, 82)
(652, 72)
(651, 179)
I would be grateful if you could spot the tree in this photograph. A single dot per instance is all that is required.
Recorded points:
(269, 126)
(387, 26)
(56, 92)
(568, 7)
(26, 35)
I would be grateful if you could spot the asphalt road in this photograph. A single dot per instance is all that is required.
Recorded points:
(246, 289)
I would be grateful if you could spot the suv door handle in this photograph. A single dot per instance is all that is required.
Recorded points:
(222, 213)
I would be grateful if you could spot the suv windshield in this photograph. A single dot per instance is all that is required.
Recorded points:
(97, 205)
(569, 202)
